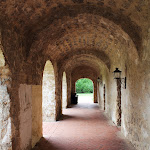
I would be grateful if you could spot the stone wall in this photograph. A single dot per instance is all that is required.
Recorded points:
(25, 96)
(64, 91)
(5, 119)
(100, 97)
(36, 114)
(100, 34)
(48, 93)
(134, 102)
(68, 89)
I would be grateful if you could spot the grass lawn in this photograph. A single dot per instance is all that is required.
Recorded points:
(85, 94)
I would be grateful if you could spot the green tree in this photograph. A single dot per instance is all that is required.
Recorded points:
(84, 86)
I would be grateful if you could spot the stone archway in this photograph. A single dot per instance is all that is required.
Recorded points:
(84, 87)
(48, 90)
(64, 91)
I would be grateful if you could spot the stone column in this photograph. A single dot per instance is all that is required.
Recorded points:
(95, 91)
(104, 97)
(118, 102)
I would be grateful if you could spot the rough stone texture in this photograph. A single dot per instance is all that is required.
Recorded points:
(118, 107)
(102, 35)
(36, 114)
(5, 119)
(48, 93)
(104, 97)
(58, 92)
(68, 89)
(64, 91)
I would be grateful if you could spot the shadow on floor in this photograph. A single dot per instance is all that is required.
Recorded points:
(46, 143)
(66, 117)
(82, 128)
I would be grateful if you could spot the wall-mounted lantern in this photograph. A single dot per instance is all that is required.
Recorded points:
(117, 76)
(98, 80)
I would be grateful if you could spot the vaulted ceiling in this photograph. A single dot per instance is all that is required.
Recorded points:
(74, 32)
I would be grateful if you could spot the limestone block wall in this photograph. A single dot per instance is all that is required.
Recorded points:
(64, 91)
(135, 121)
(48, 93)
(111, 98)
(135, 107)
(36, 113)
(5, 119)
(25, 96)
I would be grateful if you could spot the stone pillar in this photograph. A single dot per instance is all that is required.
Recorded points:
(68, 90)
(73, 87)
(95, 91)
(58, 92)
(64, 91)
(25, 97)
(36, 113)
(118, 114)
(104, 96)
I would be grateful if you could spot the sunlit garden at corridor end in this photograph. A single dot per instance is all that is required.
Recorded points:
(84, 90)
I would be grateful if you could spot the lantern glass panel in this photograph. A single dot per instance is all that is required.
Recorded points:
(117, 74)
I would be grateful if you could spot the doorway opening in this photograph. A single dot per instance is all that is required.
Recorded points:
(64, 91)
(85, 90)
(48, 93)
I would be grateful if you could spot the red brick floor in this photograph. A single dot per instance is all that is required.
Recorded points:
(83, 127)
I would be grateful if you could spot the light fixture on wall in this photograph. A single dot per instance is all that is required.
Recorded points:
(99, 80)
(117, 76)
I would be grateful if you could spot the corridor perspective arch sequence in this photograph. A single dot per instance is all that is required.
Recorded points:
(47, 45)
(84, 89)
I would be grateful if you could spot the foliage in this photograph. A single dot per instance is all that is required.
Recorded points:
(84, 86)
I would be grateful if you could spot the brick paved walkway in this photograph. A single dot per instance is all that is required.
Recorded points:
(83, 127)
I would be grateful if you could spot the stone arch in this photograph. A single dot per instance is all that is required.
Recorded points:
(64, 91)
(5, 106)
(48, 90)
(91, 54)
(92, 83)
(77, 34)
(73, 10)
(84, 71)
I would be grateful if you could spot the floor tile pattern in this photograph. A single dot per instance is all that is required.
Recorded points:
(82, 127)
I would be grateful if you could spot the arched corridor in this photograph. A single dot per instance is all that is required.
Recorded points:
(47, 45)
